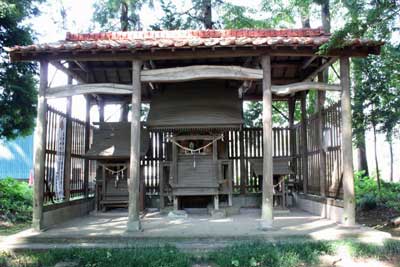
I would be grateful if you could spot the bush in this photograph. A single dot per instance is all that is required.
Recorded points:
(15, 201)
(369, 197)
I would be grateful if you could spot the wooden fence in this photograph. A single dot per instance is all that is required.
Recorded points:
(243, 145)
(331, 145)
(55, 120)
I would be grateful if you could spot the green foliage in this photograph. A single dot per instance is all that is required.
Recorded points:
(368, 195)
(119, 15)
(239, 17)
(15, 201)
(282, 254)
(145, 257)
(288, 253)
(18, 95)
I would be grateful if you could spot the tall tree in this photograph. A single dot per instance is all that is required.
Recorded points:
(18, 93)
(119, 15)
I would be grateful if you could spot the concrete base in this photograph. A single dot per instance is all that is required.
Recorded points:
(178, 214)
(218, 214)
(64, 212)
(266, 225)
(133, 226)
(325, 207)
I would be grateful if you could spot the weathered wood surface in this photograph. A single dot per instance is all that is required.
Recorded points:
(281, 166)
(112, 140)
(90, 88)
(134, 171)
(303, 86)
(349, 202)
(206, 104)
(320, 69)
(40, 149)
(123, 89)
(267, 187)
(200, 72)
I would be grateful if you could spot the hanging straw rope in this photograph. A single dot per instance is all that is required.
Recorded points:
(197, 150)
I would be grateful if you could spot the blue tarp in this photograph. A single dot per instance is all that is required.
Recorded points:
(16, 157)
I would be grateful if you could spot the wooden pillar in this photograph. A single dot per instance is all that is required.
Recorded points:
(68, 147)
(304, 161)
(124, 112)
(101, 110)
(243, 180)
(267, 187)
(87, 145)
(134, 179)
(40, 149)
(349, 216)
(320, 132)
(292, 107)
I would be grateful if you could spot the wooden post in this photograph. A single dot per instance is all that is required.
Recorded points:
(304, 156)
(124, 112)
(101, 110)
(320, 132)
(349, 216)
(87, 145)
(267, 187)
(292, 107)
(68, 147)
(134, 179)
(40, 149)
(243, 180)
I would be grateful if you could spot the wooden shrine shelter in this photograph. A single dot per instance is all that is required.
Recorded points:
(194, 143)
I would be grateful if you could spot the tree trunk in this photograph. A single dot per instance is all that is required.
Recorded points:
(326, 16)
(378, 178)
(391, 158)
(207, 14)
(124, 17)
(362, 163)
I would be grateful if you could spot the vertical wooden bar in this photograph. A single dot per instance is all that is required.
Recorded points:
(87, 145)
(40, 149)
(320, 131)
(243, 181)
(292, 134)
(349, 216)
(267, 189)
(68, 147)
(134, 179)
(101, 110)
(304, 155)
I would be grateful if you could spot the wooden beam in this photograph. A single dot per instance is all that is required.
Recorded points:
(91, 88)
(87, 146)
(40, 149)
(185, 53)
(303, 86)
(349, 202)
(134, 169)
(308, 62)
(320, 69)
(267, 186)
(193, 73)
(67, 71)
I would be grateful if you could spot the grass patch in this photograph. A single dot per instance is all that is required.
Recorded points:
(146, 257)
(12, 228)
(289, 253)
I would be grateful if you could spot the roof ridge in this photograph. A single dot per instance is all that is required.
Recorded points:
(184, 34)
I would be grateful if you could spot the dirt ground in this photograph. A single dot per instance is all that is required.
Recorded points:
(379, 218)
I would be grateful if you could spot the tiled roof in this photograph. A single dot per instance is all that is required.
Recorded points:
(181, 39)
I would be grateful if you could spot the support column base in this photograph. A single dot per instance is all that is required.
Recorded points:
(266, 225)
(37, 224)
(133, 226)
